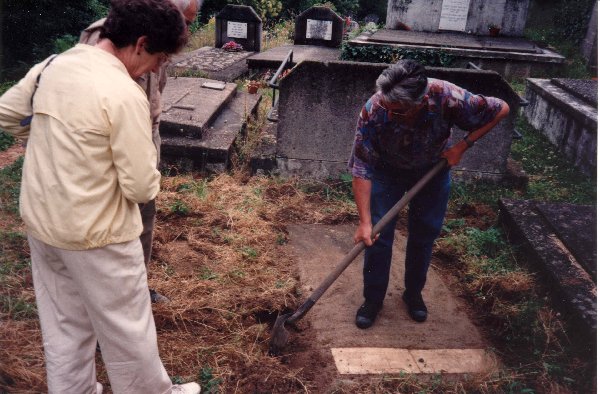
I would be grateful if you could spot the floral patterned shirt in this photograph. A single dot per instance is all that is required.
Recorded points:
(386, 141)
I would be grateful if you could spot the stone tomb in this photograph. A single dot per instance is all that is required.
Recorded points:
(200, 122)
(213, 63)
(566, 112)
(559, 240)
(319, 26)
(471, 16)
(241, 24)
(319, 106)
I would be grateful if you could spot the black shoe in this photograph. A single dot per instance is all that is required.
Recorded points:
(157, 297)
(366, 314)
(416, 306)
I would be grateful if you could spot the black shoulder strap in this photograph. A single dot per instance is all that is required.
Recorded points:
(27, 120)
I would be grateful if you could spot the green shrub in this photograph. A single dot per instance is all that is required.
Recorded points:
(385, 54)
(64, 42)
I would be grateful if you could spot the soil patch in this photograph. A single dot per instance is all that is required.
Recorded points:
(8, 156)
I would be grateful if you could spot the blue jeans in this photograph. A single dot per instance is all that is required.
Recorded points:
(425, 217)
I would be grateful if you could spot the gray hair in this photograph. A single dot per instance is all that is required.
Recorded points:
(184, 4)
(404, 81)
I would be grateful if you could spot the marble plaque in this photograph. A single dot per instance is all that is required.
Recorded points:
(454, 15)
(319, 29)
(237, 29)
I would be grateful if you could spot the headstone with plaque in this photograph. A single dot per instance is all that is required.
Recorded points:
(319, 26)
(470, 16)
(454, 14)
(240, 24)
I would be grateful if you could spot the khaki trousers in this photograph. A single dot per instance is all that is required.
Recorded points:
(97, 294)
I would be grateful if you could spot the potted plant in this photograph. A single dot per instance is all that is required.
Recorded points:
(494, 30)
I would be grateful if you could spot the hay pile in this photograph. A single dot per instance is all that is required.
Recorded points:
(218, 256)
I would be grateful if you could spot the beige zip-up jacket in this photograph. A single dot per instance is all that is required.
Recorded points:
(152, 83)
(90, 158)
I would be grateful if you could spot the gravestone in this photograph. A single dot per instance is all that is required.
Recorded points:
(319, 106)
(470, 16)
(319, 26)
(241, 24)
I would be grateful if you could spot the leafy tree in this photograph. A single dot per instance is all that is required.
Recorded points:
(30, 29)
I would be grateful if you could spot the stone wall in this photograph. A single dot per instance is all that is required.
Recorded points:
(319, 105)
(424, 15)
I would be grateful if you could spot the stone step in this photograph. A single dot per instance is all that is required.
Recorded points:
(190, 105)
(212, 152)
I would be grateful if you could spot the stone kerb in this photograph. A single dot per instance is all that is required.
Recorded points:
(241, 24)
(319, 26)
(319, 105)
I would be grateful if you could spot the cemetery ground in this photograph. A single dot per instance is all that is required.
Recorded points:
(220, 256)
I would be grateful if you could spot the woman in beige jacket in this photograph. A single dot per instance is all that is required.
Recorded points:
(90, 160)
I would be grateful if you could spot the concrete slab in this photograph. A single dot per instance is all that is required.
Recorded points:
(188, 107)
(214, 63)
(585, 89)
(509, 63)
(458, 40)
(572, 287)
(575, 226)
(362, 361)
(211, 153)
(273, 58)
(318, 248)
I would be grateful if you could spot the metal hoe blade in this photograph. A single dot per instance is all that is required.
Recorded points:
(279, 335)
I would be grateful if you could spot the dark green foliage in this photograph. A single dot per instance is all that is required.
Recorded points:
(385, 54)
(10, 179)
(5, 139)
(377, 7)
(207, 381)
(64, 42)
(571, 19)
(30, 28)
(278, 9)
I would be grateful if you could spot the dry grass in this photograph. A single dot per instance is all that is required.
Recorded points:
(221, 263)
(279, 34)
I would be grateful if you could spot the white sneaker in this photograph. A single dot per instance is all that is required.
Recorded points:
(188, 388)
(99, 388)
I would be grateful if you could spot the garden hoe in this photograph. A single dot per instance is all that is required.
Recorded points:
(279, 335)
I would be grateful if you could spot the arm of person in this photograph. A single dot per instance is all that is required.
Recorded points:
(454, 154)
(134, 154)
(361, 169)
(15, 104)
(362, 196)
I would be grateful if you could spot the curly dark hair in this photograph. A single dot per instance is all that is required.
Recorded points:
(159, 20)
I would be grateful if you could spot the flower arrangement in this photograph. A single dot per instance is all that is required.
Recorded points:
(232, 46)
